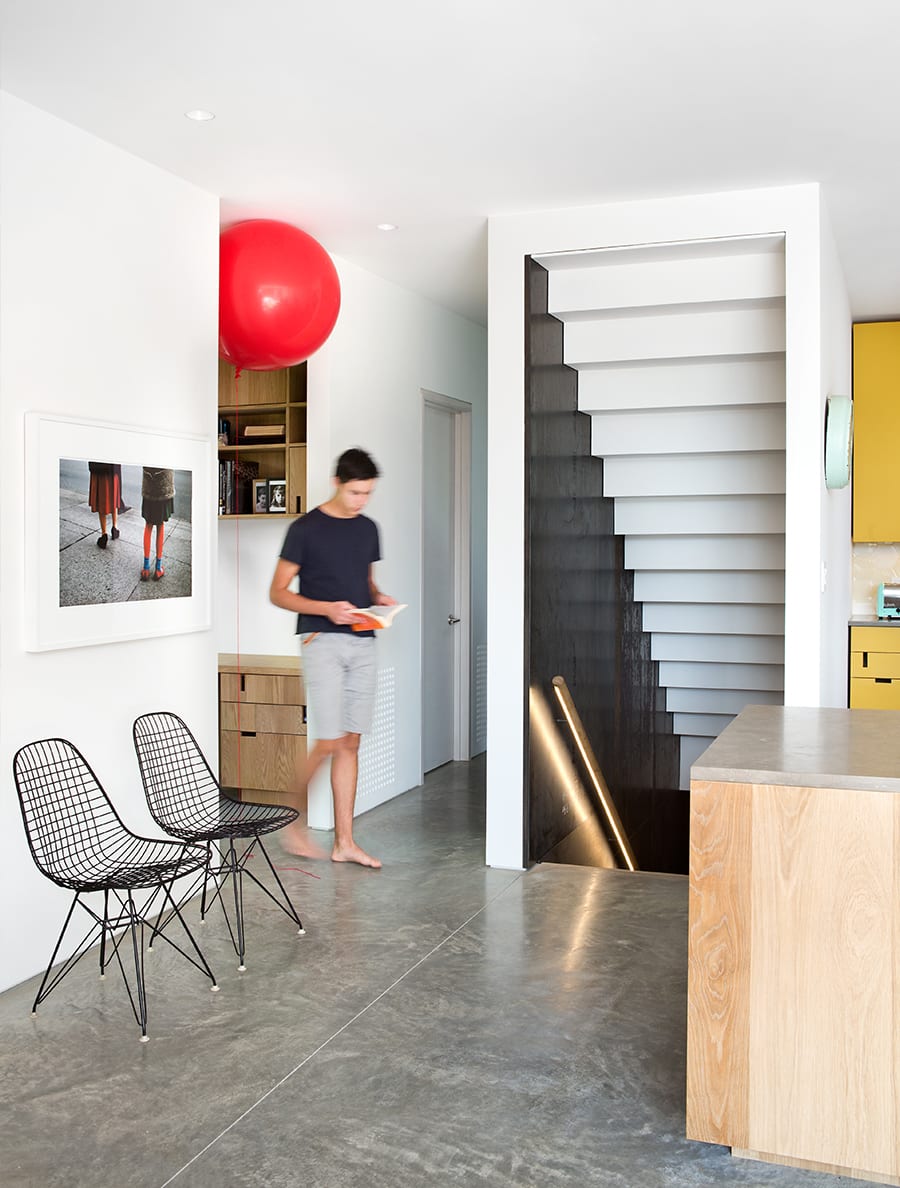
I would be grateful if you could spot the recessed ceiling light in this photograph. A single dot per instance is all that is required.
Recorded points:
(199, 114)
(387, 226)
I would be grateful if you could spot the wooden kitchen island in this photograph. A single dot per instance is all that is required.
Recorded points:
(793, 1050)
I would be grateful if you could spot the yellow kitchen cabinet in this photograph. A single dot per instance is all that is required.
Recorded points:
(875, 667)
(876, 430)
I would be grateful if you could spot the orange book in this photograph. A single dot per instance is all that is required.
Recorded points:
(376, 618)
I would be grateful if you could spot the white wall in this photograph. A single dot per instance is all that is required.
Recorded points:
(793, 211)
(365, 389)
(836, 547)
(108, 311)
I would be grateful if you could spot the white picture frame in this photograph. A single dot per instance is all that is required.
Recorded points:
(51, 440)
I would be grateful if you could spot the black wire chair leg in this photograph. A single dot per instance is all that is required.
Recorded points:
(237, 886)
(137, 922)
(206, 874)
(39, 997)
(287, 907)
(103, 928)
(203, 964)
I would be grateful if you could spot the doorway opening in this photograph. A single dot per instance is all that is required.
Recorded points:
(446, 582)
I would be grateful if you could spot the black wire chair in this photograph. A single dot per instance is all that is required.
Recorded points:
(78, 840)
(185, 798)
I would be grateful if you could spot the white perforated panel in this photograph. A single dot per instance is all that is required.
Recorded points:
(480, 699)
(376, 750)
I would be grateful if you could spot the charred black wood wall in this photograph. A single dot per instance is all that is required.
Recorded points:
(581, 620)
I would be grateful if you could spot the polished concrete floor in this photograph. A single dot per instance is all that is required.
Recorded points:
(440, 1024)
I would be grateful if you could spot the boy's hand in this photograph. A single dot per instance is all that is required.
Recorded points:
(342, 614)
(384, 600)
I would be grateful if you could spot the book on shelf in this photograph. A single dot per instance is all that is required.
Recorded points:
(263, 432)
(376, 618)
(236, 478)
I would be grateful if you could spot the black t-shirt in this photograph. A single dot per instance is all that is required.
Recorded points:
(334, 556)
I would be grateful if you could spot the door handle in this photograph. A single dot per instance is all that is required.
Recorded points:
(451, 619)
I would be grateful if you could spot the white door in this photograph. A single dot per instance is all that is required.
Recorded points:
(439, 587)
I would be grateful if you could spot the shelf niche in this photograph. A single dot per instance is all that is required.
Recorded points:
(272, 406)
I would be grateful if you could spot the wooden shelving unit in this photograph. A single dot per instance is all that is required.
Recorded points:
(261, 401)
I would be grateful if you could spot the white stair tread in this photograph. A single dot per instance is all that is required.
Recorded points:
(674, 281)
(701, 725)
(710, 619)
(760, 473)
(729, 515)
(680, 335)
(680, 383)
(736, 649)
(735, 429)
(705, 552)
(709, 586)
(718, 701)
(689, 674)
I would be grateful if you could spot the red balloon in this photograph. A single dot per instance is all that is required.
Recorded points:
(279, 295)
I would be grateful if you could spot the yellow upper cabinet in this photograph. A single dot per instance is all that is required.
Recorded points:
(876, 431)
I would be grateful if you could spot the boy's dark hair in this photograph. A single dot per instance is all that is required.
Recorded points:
(355, 466)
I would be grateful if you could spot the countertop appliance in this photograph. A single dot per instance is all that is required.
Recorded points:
(888, 602)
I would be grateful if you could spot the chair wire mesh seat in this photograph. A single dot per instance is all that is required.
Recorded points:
(185, 798)
(78, 840)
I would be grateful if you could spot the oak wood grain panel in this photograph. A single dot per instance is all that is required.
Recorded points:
(263, 761)
(267, 796)
(270, 690)
(271, 665)
(265, 719)
(814, 1165)
(253, 387)
(297, 480)
(822, 982)
(719, 955)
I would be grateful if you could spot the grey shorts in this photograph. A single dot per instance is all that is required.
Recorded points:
(339, 672)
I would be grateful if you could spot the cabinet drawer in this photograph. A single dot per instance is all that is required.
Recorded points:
(266, 690)
(875, 664)
(875, 639)
(265, 760)
(263, 719)
(869, 693)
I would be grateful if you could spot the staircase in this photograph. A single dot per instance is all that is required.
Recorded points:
(679, 350)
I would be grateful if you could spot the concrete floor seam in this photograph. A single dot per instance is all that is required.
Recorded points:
(359, 1014)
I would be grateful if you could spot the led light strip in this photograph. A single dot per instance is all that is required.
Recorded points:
(564, 697)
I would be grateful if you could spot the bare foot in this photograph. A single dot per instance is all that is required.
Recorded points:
(295, 839)
(353, 853)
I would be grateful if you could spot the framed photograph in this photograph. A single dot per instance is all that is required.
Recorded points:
(260, 495)
(277, 495)
(91, 489)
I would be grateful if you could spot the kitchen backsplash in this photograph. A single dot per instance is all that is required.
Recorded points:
(873, 564)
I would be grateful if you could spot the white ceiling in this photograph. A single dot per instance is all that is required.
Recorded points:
(338, 116)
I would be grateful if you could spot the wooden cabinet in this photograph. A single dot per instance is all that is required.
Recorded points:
(265, 415)
(876, 430)
(262, 727)
(793, 1042)
(875, 667)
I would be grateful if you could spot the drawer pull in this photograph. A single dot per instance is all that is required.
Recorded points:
(243, 683)
(248, 734)
(865, 659)
(882, 680)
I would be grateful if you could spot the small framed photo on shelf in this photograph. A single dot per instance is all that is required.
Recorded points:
(260, 495)
(277, 495)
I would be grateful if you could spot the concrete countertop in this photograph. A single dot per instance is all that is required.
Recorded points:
(806, 748)
(873, 621)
